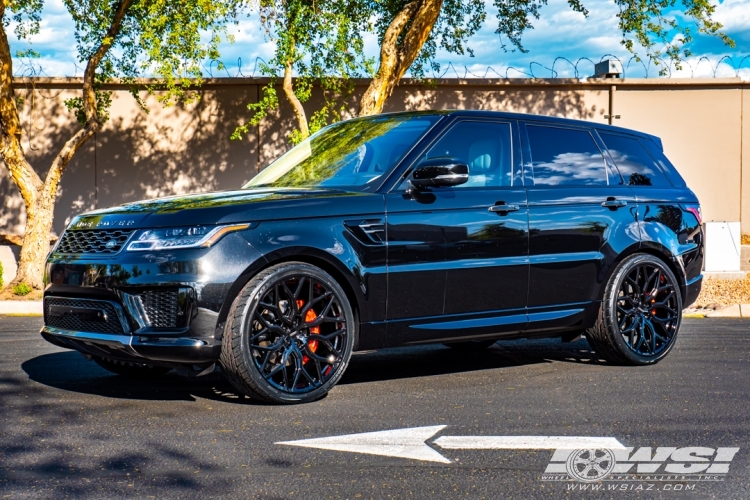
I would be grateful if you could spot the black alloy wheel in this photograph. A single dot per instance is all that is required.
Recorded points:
(290, 335)
(132, 370)
(641, 313)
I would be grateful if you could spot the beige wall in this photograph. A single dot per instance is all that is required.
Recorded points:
(184, 149)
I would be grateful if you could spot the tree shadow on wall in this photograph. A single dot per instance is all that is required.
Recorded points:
(170, 150)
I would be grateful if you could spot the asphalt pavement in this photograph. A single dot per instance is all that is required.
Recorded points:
(71, 429)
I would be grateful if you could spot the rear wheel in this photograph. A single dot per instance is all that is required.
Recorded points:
(640, 313)
(289, 336)
(132, 370)
(471, 345)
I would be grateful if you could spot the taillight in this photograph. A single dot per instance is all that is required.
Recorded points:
(695, 210)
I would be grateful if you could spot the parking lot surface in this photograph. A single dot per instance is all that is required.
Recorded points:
(69, 428)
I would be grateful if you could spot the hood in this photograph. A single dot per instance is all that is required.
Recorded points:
(227, 207)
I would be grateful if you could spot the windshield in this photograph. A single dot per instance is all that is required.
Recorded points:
(353, 154)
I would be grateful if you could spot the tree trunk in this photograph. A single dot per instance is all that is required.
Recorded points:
(39, 197)
(36, 242)
(397, 52)
(299, 111)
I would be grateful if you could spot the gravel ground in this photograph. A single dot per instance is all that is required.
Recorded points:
(717, 293)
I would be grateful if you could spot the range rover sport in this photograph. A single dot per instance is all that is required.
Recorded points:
(454, 227)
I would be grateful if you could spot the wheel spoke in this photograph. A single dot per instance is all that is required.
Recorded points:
(329, 336)
(664, 321)
(300, 284)
(290, 295)
(270, 348)
(269, 326)
(265, 362)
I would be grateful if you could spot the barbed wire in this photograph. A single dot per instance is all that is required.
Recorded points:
(583, 67)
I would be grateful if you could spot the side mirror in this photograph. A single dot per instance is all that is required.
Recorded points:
(440, 172)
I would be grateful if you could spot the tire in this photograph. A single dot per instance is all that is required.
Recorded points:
(640, 314)
(131, 370)
(471, 345)
(289, 335)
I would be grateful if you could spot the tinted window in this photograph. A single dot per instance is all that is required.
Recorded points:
(663, 162)
(484, 146)
(562, 157)
(635, 164)
(353, 154)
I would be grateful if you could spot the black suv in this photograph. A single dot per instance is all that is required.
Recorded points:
(458, 227)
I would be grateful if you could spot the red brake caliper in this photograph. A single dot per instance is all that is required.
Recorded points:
(314, 330)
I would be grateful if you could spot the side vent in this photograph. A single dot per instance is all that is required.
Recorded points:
(368, 231)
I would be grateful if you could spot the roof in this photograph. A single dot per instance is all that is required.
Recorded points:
(528, 117)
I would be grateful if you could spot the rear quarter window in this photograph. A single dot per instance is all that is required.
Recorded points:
(635, 164)
(661, 159)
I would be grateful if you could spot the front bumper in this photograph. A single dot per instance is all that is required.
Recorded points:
(161, 351)
(199, 283)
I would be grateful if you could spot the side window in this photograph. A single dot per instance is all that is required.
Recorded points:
(565, 157)
(662, 161)
(635, 164)
(485, 147)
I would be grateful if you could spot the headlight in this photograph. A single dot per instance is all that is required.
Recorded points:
(182, 237)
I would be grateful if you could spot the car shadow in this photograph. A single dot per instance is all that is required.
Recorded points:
(437, 359)
(69, 371)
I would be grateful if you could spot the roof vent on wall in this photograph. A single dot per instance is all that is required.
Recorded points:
(608, 68)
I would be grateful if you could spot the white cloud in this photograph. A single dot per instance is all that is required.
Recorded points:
(734, 15)
(559, 33)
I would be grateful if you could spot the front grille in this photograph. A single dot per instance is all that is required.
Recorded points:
(161, 307)
(77, 323)
(98, 241)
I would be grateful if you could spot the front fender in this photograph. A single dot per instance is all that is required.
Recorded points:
(360, 267)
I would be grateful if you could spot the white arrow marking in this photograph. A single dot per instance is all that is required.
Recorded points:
(527, 442)
(404, 443)
(410, 443)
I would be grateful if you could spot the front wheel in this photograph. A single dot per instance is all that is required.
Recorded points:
(640, 313)
(289, 335)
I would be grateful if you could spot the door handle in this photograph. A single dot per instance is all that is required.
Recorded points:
(502, 207)
(613, 203)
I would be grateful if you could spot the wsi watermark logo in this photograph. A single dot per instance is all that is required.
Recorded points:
(665, 464)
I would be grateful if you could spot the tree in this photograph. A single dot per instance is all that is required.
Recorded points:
(319, 41)
(411, 30)
(115, 39)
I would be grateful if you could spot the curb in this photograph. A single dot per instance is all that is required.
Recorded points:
(733, 311)
(28, 307)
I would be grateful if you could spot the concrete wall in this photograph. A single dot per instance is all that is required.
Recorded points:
(183, 149)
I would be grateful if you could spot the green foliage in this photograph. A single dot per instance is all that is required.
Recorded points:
(169, 39)
(458, 21)
(1, 275)
(322, 42)
(21, 289)
(28, 54)
(103, 103)
(26, 15)
(661, 27)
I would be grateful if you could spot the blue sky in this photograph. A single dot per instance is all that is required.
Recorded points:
(559, 33)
